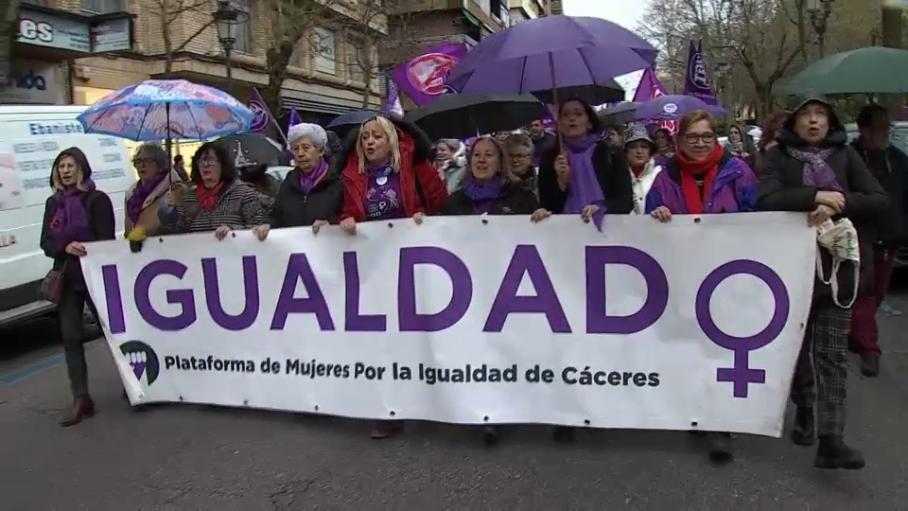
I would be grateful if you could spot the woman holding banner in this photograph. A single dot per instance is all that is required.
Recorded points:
(490, 187)
(310, 194)
(74, 214)
(387, 175)
(703, 178)
(587, 178)
(217, 201)
(814, 170)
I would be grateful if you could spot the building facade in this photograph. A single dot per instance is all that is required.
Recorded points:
(326, 69)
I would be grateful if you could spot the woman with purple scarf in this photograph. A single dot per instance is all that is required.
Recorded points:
(143, 197)
(813, 170)
(310, 194)
(74, 214)
(588, 178)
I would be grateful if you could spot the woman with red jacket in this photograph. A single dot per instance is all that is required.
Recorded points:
(388, 174)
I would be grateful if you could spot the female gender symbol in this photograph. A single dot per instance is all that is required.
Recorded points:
(741, 374)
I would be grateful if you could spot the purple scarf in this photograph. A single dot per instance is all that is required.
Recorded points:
(817, 171)
(583, 188)
(136, 201)
(483, 195)
(70, 221)
(310, 180)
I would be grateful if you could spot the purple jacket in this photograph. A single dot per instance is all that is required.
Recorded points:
(734, 191)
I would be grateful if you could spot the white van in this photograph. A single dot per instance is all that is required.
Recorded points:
(30, 139)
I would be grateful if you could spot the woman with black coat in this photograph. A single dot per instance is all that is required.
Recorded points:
(311, 194)
(74, 214)
(813, 170)
(588, 178)
(489, 186)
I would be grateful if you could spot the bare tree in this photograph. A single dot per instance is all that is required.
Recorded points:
(369, 26)
(290, 22)
(168, 12)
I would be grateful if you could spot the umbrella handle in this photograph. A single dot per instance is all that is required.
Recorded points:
(557, 103)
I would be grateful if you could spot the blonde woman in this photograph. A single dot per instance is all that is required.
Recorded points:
(388, 174)
(74, 214)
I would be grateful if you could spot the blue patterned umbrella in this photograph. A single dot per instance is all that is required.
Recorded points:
(166, 109)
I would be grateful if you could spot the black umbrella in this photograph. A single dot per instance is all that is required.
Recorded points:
(595, 94)
(250, 149)
(342, 124)
(619, 114)
(466, 115)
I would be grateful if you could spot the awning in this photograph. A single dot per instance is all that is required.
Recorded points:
(310, 102)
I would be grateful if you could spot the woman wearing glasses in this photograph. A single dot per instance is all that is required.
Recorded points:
(520, 152)
(217, 201)
(142, 198)
(703, 178)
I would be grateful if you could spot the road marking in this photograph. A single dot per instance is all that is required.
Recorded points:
(33, 369)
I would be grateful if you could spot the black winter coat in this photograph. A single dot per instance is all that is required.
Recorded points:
(611, 170)
(890, 167)
(782, 188)
(514, 200)
(295, 208)
(100, 214)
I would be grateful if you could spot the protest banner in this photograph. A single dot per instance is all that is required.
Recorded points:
(694, 324)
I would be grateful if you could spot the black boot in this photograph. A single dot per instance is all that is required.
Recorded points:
(563, 434)
(720, 447)
(870, 365)
(804, 427)
(833, 453)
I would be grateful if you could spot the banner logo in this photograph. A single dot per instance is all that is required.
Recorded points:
(428, 72)
(142, 358)
(697, 72)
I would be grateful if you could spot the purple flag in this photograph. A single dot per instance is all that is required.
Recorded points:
(392, 104)
(697, 81)
(294, 119)
(423, 78)
(651, 88)
(262, 114)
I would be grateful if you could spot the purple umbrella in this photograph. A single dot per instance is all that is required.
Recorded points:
(551, 52)
(673, 107)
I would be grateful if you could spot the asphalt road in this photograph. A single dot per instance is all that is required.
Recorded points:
(195, 457)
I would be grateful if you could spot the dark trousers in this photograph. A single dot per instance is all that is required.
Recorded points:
(69, 313)
(865, 335)
(822, 372)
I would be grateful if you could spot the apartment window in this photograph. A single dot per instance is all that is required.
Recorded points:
(358, 60)
(243, 30)
(325, 44)
(103, 6)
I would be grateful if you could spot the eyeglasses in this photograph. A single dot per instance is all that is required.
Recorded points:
(142, 161)
(520, 155)
(706, 138)
(209, 160)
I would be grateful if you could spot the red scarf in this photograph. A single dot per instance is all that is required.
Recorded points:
(208, 199)
(691, 170)
(638, 169)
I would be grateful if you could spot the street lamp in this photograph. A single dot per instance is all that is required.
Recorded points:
(226, 19)
(819, 12)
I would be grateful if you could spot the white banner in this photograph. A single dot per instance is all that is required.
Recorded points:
(695, 324)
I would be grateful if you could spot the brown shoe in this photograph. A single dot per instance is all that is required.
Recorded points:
(83, 408)
(386, 429)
